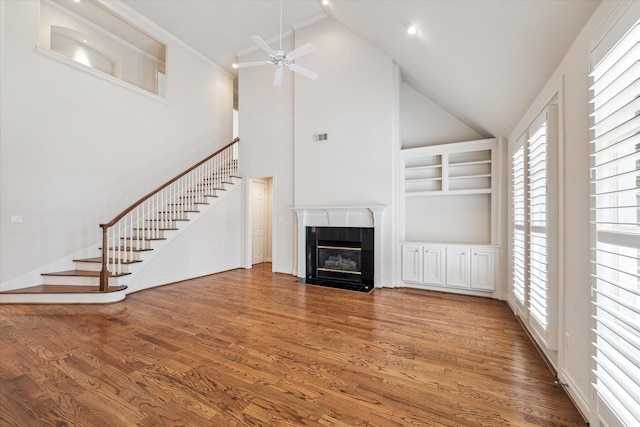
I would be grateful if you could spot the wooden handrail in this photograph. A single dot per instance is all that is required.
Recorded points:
(104, 273)
(162, 187)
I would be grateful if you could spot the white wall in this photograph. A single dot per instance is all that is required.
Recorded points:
(575, 311)
(76, 149)
(266, 147)
(353, 101)
(426, 123)
(216, 237)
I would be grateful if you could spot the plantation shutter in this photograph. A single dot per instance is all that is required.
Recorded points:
(537, 192)
(519, 242)
(615, 193)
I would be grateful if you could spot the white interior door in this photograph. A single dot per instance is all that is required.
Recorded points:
(258, 221)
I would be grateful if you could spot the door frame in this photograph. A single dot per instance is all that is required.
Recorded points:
(270, 202)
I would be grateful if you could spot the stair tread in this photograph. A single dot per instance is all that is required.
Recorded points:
(143, 238)
(81, 273)
(157, 229)
(122, 248)
(63, 289)
(111, 260)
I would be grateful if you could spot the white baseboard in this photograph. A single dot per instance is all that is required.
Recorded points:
(167, 280)
(578, 398)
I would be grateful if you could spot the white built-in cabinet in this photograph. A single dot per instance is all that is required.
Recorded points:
(433, 264)
(450, 209)
(411, 263)
(450, 267)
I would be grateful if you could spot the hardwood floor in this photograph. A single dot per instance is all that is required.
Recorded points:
(248, 347)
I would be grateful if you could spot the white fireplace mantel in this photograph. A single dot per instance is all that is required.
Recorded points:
(341, 216)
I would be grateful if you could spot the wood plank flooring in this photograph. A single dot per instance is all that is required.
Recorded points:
(252, 348)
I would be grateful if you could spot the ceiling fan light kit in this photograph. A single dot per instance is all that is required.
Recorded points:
(281, 59)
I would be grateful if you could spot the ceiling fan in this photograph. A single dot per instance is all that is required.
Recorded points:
(281, 59)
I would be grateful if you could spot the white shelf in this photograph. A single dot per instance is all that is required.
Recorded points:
(449, 192)
(423, 179)
(485, 175)
(478, 162)
(449, 169)
(420, 168)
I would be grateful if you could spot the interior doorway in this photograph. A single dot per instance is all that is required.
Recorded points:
(261, 209)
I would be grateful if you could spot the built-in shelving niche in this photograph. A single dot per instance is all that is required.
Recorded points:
(449, 193)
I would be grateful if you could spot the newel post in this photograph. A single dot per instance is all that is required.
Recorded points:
(104, 272)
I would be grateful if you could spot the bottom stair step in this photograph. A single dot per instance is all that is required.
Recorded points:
(63, 289)
(79, 277)
(81, 273)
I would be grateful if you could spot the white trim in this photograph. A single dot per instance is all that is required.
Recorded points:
(552, 345)
(71, 298)
(617, 16)
(545, 98)
(247, 262)
(572, 389)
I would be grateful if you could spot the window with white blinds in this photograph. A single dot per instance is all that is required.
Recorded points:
(537, 193)
(534, 215)
(615, 192)
(519, 222)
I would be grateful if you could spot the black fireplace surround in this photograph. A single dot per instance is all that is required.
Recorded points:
(340, 257)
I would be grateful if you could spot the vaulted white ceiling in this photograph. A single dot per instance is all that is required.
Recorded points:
(484, 61)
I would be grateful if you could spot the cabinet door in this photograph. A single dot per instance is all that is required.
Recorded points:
(411, 263)
(458, 267)
(483, 272)
(433, 266)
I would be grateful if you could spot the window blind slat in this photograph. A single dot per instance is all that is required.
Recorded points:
(628, 59)
(609, 59)
(618, 133)
(610, 115)
(623, 82)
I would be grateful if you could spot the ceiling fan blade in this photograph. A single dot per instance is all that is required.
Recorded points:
(277, 78)
(253, 64)
(301, 51)
(263, 44)
(301, 70)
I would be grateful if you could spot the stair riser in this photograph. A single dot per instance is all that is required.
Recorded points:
(76, 280)
(95, 266)
(202, 192)
(133, 256)
(169, 216)
(163, 223)
(136, 244)
(149, 234)
(188, 205)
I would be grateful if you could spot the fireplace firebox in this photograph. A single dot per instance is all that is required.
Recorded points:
(340, 257)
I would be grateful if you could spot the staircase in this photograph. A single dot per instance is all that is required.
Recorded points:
(130, 237)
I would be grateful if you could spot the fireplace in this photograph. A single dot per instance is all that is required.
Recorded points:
(340, 257)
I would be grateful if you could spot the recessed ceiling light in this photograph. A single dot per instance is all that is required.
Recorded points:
(234, 65)
(325, 2)
(412, 30)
